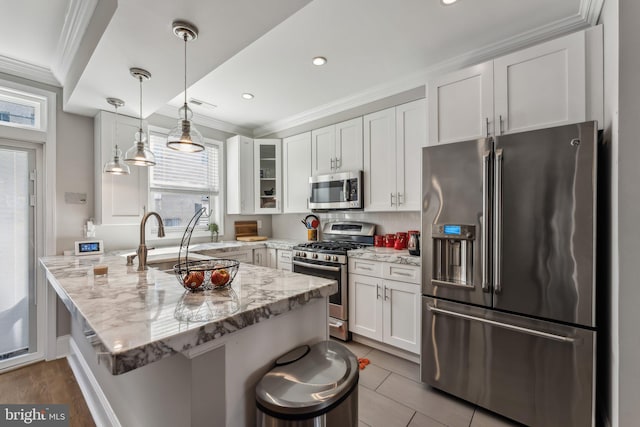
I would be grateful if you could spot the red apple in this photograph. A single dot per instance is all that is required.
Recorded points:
(219, 277)
(194, 279)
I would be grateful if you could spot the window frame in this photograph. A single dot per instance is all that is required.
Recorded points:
(199, 231)
(39, 103)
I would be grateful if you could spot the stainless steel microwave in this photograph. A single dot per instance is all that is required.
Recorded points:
(336, 191)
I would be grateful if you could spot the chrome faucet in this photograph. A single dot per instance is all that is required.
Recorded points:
(142, 249)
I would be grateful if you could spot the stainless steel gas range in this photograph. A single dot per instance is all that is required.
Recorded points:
(328, 258)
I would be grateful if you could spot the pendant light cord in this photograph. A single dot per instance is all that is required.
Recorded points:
(140, 77)
(185, 74)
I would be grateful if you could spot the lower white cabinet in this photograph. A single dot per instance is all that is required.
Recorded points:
(383, 309)
(265, 257)
(284, 260)
(240, 255)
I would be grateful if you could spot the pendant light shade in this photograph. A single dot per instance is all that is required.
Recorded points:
(115, 166)
(185, 136)
(139, 154)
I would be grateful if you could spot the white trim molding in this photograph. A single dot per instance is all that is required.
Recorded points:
(28, 71)
(76, 21)
(98, 404)
(590, 10)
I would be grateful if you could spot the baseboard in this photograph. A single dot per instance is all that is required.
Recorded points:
(101, 411)
(62, 346)
(415, 358)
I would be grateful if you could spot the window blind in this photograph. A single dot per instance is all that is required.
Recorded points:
(184, 171)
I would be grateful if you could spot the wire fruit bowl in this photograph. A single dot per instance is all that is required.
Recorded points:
(203, 275)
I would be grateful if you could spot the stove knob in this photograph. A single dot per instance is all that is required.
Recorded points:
(315, 256)
(335, 257)
(304, 254)
(327, 257)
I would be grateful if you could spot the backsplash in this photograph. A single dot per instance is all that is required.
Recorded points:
(288, 226)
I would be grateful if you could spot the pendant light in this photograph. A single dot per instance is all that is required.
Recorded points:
(139, 154)
(185, 136)
(115, 167)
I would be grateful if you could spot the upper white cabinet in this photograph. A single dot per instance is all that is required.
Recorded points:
(296, 170)
(550, 84)
(461, 104)
(337, 147)
(120, 199)
(240, 193)
(267, 175)
(393, 139)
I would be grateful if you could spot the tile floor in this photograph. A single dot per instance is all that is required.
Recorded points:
(391, 394)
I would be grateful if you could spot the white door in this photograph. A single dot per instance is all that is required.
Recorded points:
(21, 305)
(411, 136)
(542, 86)
(349, 156)
(365, 306)
(461, 104)
(267, 160)
(402, 315)
(380, 161)
(323, 150)
(296, 167)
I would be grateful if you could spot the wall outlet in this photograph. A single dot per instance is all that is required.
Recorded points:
(259, 224)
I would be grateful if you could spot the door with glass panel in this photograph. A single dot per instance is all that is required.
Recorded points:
(18, 305)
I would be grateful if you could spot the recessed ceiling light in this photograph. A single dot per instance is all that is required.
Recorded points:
(247, 95)
(448, 2)
(319, 60)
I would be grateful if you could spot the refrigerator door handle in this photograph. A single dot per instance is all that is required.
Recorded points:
(528, 331)
(485, 221)
(497, 214)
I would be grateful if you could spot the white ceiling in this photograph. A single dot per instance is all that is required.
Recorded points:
(374, 48)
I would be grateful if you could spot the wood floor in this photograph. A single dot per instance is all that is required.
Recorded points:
(46, 382)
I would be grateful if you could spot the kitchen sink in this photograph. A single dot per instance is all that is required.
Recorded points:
(162, 264)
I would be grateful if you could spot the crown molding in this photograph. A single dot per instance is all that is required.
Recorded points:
(200, 119)
(28, 71)
(76, 21)
(588, 8)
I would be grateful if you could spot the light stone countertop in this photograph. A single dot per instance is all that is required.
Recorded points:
(142, 317)
(222, 246)
(385, 255)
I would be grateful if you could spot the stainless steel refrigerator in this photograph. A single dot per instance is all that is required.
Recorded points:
(508, 305)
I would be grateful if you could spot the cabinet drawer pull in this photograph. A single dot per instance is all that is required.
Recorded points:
(400, 273)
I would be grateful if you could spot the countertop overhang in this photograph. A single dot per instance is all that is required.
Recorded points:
(136, 318)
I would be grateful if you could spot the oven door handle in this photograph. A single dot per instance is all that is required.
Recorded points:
(318, 266)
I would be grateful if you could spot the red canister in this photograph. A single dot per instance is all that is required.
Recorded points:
(389, 240)
(401, 240)
(378, 241)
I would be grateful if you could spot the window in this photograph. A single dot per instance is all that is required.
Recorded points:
(20, 109)
(182, 183)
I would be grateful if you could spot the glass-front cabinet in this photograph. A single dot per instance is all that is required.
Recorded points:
(267, 175)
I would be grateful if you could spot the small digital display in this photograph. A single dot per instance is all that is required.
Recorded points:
(452, 229)
(89, 247)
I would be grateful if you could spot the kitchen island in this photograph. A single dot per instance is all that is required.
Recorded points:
(147, 352)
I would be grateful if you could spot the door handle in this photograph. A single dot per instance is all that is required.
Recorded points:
(501, 128)
(497, 227)
(377, 291)
(399, 195)
(385, 289)
(485, 221)
(338, 162)
(486, 120)
(392, 202)
(331, 160)
(515, 328)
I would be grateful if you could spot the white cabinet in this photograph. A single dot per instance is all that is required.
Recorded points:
(265, 257)
(393, 139)
(296, 170)
(284, 259)
(384, 302)
(267, 175)
(119, 199)
(240, 194)
(542, 86)
(242, 255)
(337, 148)
(461, 104)
(546, 85)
